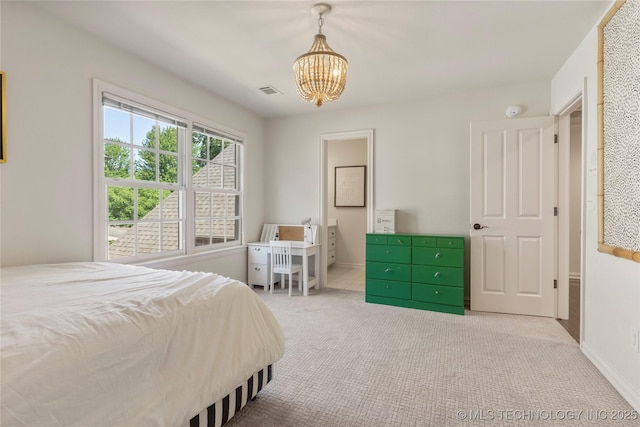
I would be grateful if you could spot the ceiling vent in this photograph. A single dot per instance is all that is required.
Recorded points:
(269, 90)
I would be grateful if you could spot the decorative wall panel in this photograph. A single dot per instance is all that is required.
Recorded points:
(619, 131)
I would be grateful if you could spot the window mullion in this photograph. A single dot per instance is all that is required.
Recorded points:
(132, 160)
(156, 149)
(187, 208)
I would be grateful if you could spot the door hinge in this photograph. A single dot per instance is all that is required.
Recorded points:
(555, 138)
(555, 284)
(555, 211)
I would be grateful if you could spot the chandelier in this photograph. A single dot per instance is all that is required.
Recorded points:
(321, 74)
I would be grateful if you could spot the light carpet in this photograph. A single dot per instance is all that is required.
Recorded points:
(350, 363)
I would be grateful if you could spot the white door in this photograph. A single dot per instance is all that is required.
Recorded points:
(512, 171)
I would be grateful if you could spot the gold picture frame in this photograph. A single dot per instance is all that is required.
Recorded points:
(619, 132)
(3, 123)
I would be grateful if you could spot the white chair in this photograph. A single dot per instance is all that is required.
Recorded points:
(281, 263)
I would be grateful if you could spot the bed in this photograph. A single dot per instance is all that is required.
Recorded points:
(104, 344)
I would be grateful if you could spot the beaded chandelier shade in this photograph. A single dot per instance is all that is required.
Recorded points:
(321, 73)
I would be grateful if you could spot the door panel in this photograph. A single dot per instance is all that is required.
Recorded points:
(529, 191)
(494, 176)
(528, 266)
(512, 193)
(493, 251)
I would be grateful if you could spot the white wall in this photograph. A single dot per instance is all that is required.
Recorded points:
(611, 286)
(46, 187)
(421, 152)
(352, 221)
(421, 156)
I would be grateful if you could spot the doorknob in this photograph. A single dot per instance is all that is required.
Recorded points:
(477, 226)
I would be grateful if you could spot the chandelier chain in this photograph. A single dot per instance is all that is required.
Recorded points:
(320, 24)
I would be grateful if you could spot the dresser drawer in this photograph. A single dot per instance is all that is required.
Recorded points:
(331, 244)
(438, 294)
(438, 256)
(387, 271)
(399, 240)
(331, 232)
(446, 276)
(450, 242)
(257, 254)
(388, 288)
(424, 241)
(386, 253)
(331, 257)
(376, 239)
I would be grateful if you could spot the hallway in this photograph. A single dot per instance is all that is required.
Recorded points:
(351, 279)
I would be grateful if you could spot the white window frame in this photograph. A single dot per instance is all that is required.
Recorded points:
(188, 246)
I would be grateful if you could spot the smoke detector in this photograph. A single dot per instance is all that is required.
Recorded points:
(513, 111)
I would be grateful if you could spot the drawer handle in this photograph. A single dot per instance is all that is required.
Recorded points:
(399, 241)
(256, 249)
(437, 274)
(256, 268)
(437, 293)
(388, 252)
(438, 255)
(387, 286)
(387, 270)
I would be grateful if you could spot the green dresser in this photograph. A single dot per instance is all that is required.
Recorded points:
(416, 271)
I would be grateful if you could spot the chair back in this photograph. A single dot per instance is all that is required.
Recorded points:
(280, 255)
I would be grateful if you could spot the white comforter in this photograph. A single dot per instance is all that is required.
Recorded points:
(102, 344)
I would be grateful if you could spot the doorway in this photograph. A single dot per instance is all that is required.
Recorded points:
(570, 201)
(349, 225)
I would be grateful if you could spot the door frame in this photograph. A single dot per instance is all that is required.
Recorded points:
(564, 134)
(322, 214)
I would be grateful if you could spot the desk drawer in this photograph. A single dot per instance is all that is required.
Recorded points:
(438, 256)
(445, 276)
(388, 288)
(257, 254)
(385, 253)
(438, 294)
(387, 271)
(258, 274)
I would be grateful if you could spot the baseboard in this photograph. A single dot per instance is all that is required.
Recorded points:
(630, 395)
(348, 265)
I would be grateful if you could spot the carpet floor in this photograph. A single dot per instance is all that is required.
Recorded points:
(350, 363)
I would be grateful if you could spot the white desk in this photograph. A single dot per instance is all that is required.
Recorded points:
(258, 263)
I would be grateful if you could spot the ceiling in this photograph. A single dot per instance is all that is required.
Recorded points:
(397, 50)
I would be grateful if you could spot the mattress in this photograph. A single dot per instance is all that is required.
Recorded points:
(106, 344)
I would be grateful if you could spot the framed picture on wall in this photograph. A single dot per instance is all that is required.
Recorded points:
(350, 185)
(3, 120)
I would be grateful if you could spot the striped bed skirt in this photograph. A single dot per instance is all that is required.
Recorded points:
(221, 411)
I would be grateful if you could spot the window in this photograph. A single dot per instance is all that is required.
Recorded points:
(215, 188)
(169, 183)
